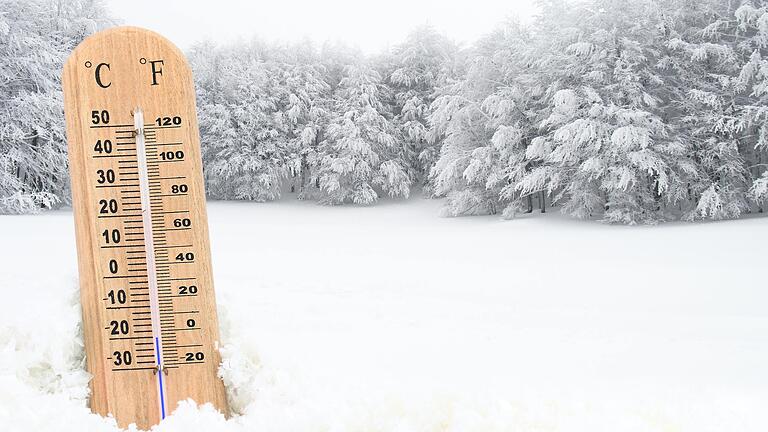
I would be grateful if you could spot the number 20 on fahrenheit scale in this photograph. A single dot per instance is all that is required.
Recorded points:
(149, 313)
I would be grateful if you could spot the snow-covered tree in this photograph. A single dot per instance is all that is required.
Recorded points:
(702, 59)
(360, 158)
(244, 147)
(619, 163)
(627, 112)
(262, 109)
(36, 36)
(607, 149)
(305, 103)
(424, 62)
(749, 36)
(488, 119)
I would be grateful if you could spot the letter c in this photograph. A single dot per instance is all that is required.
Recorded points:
(98, 75)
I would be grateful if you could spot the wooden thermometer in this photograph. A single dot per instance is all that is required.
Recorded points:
(149, 312)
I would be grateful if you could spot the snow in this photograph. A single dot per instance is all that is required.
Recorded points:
(390, 318)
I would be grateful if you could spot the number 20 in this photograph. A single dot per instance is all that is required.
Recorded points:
(197, 356)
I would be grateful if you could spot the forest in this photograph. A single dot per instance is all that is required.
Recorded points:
(629, 112)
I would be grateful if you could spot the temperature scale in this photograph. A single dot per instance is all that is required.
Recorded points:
(149, 312)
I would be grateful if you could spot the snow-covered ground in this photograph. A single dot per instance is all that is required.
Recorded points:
(390, 318)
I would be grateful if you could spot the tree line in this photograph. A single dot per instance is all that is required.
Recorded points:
(625, 112)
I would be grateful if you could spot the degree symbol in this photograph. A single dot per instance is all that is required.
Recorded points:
(143, 60)
(88, 64)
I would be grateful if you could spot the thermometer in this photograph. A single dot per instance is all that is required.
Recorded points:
(149, 313)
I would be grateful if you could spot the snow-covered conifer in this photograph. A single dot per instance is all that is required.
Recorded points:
(244, 144)
(702, 59)
(360, 157)
(420, 65)
(607, 150)
(305, 103)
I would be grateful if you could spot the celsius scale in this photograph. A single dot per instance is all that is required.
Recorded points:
(146, 288)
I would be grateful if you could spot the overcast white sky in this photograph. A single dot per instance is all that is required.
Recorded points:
(371, 25)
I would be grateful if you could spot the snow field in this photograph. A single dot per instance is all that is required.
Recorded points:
(391, 319)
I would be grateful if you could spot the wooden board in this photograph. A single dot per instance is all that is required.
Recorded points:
(142, 232)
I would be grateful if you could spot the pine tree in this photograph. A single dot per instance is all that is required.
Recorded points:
(244, 142)
(488, 119)
(606, 150)
(305, 103)
(360, 158)
(424, 62)
(703, 60)
(750, 36)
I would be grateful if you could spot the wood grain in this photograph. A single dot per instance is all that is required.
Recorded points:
(113, 71)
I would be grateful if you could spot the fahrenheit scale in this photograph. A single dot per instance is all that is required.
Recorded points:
(149, 313)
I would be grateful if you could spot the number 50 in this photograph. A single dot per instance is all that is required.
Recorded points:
(100, 117)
